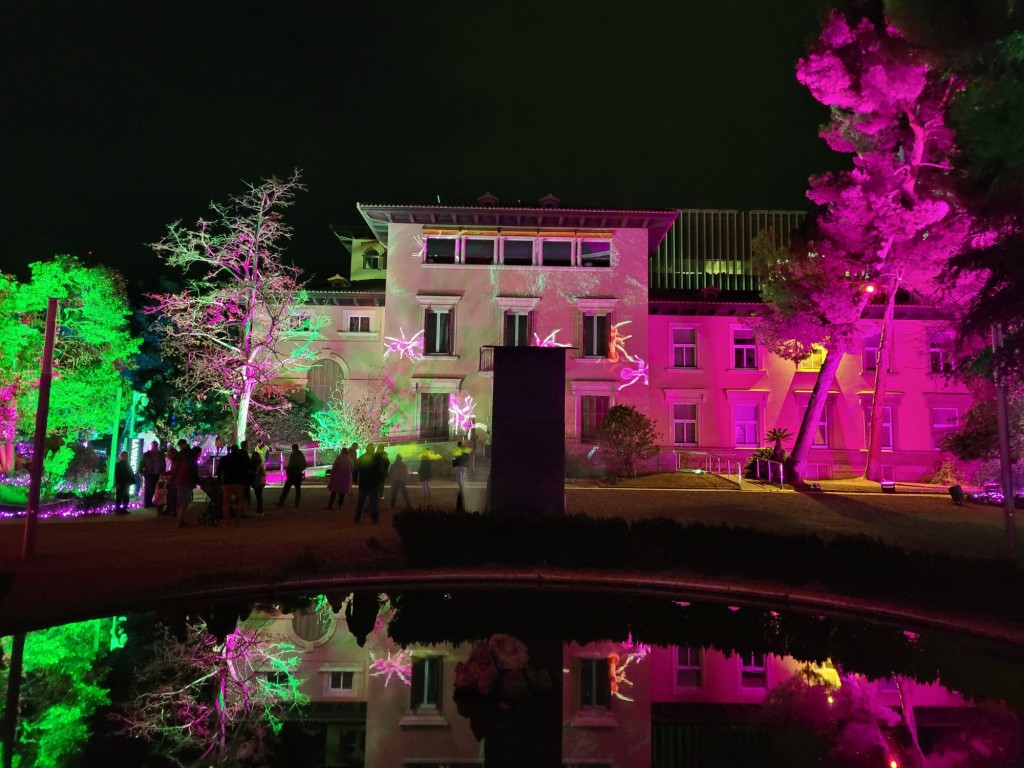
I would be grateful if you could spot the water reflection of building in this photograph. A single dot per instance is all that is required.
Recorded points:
(654, 305)
(623, 705)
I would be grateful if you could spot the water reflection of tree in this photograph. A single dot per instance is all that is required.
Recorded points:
(213, 700)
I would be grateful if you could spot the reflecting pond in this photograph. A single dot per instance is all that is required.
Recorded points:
(511, 678)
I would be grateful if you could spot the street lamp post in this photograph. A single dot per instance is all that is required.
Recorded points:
(1005, 465)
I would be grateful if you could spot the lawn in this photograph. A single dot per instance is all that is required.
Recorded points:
(921, 521)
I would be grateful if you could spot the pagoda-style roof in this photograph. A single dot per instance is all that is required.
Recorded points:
(379, 217)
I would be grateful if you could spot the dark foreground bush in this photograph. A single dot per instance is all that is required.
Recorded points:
(854, 565)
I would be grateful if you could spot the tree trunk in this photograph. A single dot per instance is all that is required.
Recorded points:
(873, 468)
(797, 461)
(242, 423)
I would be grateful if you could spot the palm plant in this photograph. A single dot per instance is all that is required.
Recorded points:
(779, 435)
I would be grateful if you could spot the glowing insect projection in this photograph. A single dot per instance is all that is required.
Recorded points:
(399, 665)
(461, 414)
(403, 347)
(631, 376)
(616, 343)
(549, 340)
(619, 662)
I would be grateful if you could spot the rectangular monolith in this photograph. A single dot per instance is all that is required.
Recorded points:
(528, 430)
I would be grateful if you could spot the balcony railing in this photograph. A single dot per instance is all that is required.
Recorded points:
(486, 359)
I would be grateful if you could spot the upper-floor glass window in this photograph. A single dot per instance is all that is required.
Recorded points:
(684, 347)
(437, 331)
(940, 357)
(688, 667)
(595, 335)
(517, 253)
(358, 323)
(595, 684)
(815, 360)
(744, 349)
(425, 686)
(373, 260)
(556, 253)
(479, 250)
(596, 253)
(517, 328)
(754, 671)
(441, 250)
(871, 353)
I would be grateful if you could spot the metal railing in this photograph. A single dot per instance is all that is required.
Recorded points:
(769, 470)
(704, 461)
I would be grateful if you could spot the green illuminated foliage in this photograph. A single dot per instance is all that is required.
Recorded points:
(62, 687)
(360, 416)
(92, 348)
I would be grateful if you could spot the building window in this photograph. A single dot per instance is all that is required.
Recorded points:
(753, 673)
(595, 683)
(434, 415)
(277, 678)
(339, 682)
(517, 253)
(744, 349)
(748, 432)
(689, 673)
(595, 335)
(944, 421)
(556, 253)
(373, 260)
(324, 379)
(437, 331)
(684, 423)
(871, 353)
(478, 250)
(596, 253)
(887, 431)
(821, 432)
(425, 693)
(517, 328)
(358, 323)
(940, 359)
(813, 361)
(440, 250)
(593, 409)
(684, 347)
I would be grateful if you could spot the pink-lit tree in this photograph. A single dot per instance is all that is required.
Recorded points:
(891, 221)
(237, 325)
(212, 701)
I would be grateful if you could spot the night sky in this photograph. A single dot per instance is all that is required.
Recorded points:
(120, 116)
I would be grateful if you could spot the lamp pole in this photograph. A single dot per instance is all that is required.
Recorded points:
(1005, 465)
(39, 441)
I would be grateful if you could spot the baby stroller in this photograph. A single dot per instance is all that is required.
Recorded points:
(215, 500)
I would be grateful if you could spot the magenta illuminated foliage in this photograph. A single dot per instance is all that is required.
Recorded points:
(237, 325)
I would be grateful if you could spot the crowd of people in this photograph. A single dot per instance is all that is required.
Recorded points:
(171, 476)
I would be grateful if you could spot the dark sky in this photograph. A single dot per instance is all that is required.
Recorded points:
(120, 116)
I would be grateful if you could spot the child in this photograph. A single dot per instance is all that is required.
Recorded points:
(160, 496)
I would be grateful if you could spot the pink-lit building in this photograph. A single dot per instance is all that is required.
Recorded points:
(654, 310)
(622, 705)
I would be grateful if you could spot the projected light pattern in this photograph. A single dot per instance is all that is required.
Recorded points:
(618, 663)
(549, 340)
(399, 665)
(403, 347)
(631, 376)
(616, 343)
(461, 414)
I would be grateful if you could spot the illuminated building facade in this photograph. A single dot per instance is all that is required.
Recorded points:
(652, 308)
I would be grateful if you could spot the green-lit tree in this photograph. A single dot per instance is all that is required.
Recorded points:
(93, 348)
(236, 326)
(62, 686)
(630, 435)
(358, 416)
